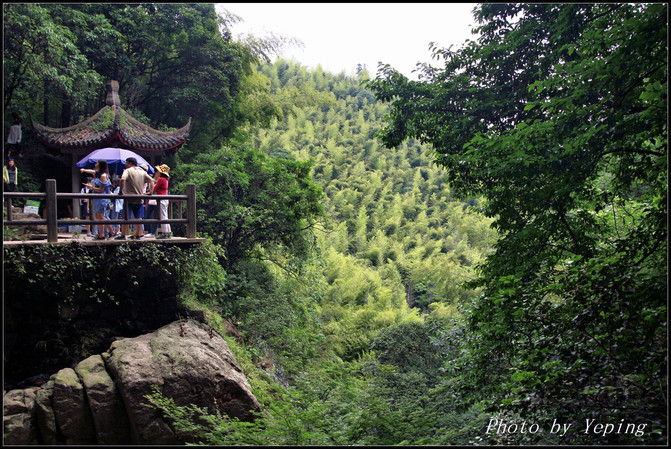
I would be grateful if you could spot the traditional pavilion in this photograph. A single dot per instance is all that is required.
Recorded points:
(112, 126)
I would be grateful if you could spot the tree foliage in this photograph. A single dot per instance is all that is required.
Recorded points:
(248, 201)
(41, 59)
(173, 62)
(557, 115)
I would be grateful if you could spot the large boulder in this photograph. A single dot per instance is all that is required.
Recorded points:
(103, 399)
(19, 417)
(107, 409)
(71, 408)
(188, 362)
(46, 419)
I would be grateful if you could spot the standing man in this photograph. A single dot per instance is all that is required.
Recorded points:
(132, 182)
(14, 144)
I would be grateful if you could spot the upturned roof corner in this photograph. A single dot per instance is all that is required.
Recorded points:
(111, 126)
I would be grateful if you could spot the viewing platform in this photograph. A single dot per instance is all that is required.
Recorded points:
(54, 226)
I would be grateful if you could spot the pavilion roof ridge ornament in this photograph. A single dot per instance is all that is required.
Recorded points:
(113, 94)
(111, 126)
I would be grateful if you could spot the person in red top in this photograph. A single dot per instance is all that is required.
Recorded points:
(161, 188)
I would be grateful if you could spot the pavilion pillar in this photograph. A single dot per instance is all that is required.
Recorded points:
(75, 188)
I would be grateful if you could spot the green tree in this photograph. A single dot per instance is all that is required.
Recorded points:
(250, 203)
(42, 63)
(173, 62)
(557, 114)
(410, 348)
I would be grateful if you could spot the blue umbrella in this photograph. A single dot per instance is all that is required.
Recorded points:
(116, 160)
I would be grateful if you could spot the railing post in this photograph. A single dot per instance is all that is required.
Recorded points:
(191, 211)
(51, 209)
(8, 204)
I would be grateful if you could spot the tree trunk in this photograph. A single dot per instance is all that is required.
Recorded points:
(66, 112)
(46, 103)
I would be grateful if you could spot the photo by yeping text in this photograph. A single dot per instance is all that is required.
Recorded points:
(501, 427)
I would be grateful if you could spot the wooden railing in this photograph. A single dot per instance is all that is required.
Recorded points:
(52, 221)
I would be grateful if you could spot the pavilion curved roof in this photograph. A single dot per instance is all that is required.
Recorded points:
(111, 126)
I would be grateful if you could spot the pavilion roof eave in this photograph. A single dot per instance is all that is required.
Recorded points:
(127, 133)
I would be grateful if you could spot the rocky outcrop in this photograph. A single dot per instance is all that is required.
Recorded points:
(19, 416)
(102, 400)
(107, 409)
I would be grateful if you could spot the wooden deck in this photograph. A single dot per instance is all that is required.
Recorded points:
(67, 239)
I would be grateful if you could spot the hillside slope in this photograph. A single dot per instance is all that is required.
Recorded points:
(396, 244)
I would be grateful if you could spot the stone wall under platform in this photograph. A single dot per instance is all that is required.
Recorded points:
(54, 320)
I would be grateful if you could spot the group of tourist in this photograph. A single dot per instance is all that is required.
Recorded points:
(135, 180)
